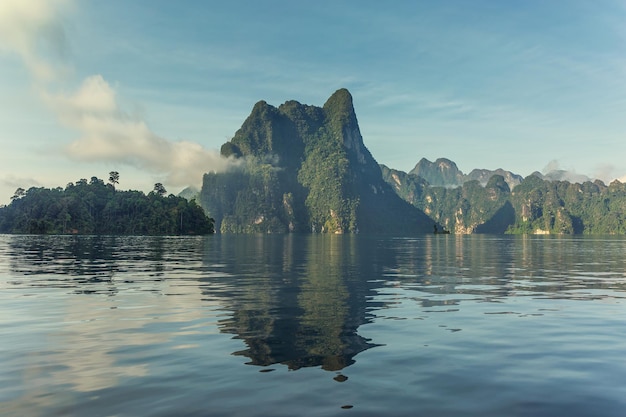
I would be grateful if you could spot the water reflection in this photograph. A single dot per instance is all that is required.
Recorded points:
(83, 305)
(84, 259)
(447, 270)
(293, 300)
(297, 300)
(162, 326)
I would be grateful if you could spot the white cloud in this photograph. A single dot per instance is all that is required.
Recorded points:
(608, 173)
(109, 134)
(33, 29)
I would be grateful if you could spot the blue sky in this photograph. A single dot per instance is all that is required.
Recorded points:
(153, 88)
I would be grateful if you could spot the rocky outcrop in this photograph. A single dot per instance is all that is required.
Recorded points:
(315, 159)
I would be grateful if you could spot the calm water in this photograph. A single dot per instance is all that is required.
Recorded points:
(312, 326)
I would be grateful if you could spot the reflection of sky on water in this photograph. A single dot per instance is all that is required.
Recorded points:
(110, 299)
(90, 315)
(89, 310)
(450, 269)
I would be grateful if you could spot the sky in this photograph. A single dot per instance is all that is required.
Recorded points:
(153, 88)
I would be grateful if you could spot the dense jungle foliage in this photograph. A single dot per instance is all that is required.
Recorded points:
(305, 169)
(569, 208)
(97, 208)
(533, 206)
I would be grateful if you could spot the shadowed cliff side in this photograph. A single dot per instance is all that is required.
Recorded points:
(305, 168)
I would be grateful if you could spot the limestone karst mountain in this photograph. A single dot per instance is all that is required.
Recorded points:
(534, 206)
(305, 168)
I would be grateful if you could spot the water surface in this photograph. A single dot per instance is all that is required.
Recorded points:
(312, 325)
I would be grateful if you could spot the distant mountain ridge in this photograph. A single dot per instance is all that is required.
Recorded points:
(445, 173)
(535, 206)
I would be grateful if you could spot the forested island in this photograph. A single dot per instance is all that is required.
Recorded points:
(93, 207)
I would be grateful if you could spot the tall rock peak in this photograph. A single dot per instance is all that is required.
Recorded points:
(259, 107)
(340, 100)
(340, 113)
(309, 171)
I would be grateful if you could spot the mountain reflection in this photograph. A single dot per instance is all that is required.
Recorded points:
(85, 259)
(297, 300)
(293, 299)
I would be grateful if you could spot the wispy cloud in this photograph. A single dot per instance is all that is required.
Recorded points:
(14, 182)
(607, 173)
(34, 30)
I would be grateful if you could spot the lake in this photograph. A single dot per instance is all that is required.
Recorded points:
(313, 325)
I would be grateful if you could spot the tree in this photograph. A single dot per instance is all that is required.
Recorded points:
(114, 178)
(95, 208)
(159, 189)
(19, 193)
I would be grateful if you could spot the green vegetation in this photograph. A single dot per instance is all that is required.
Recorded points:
(305, 168)
(533, 206)
(469, 208)
(563, 207)
(97, 208)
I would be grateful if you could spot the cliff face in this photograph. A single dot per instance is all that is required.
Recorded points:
(470, 208)
(305, 168)
(534, 206)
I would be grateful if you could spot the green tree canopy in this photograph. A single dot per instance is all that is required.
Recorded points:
(96, 208)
